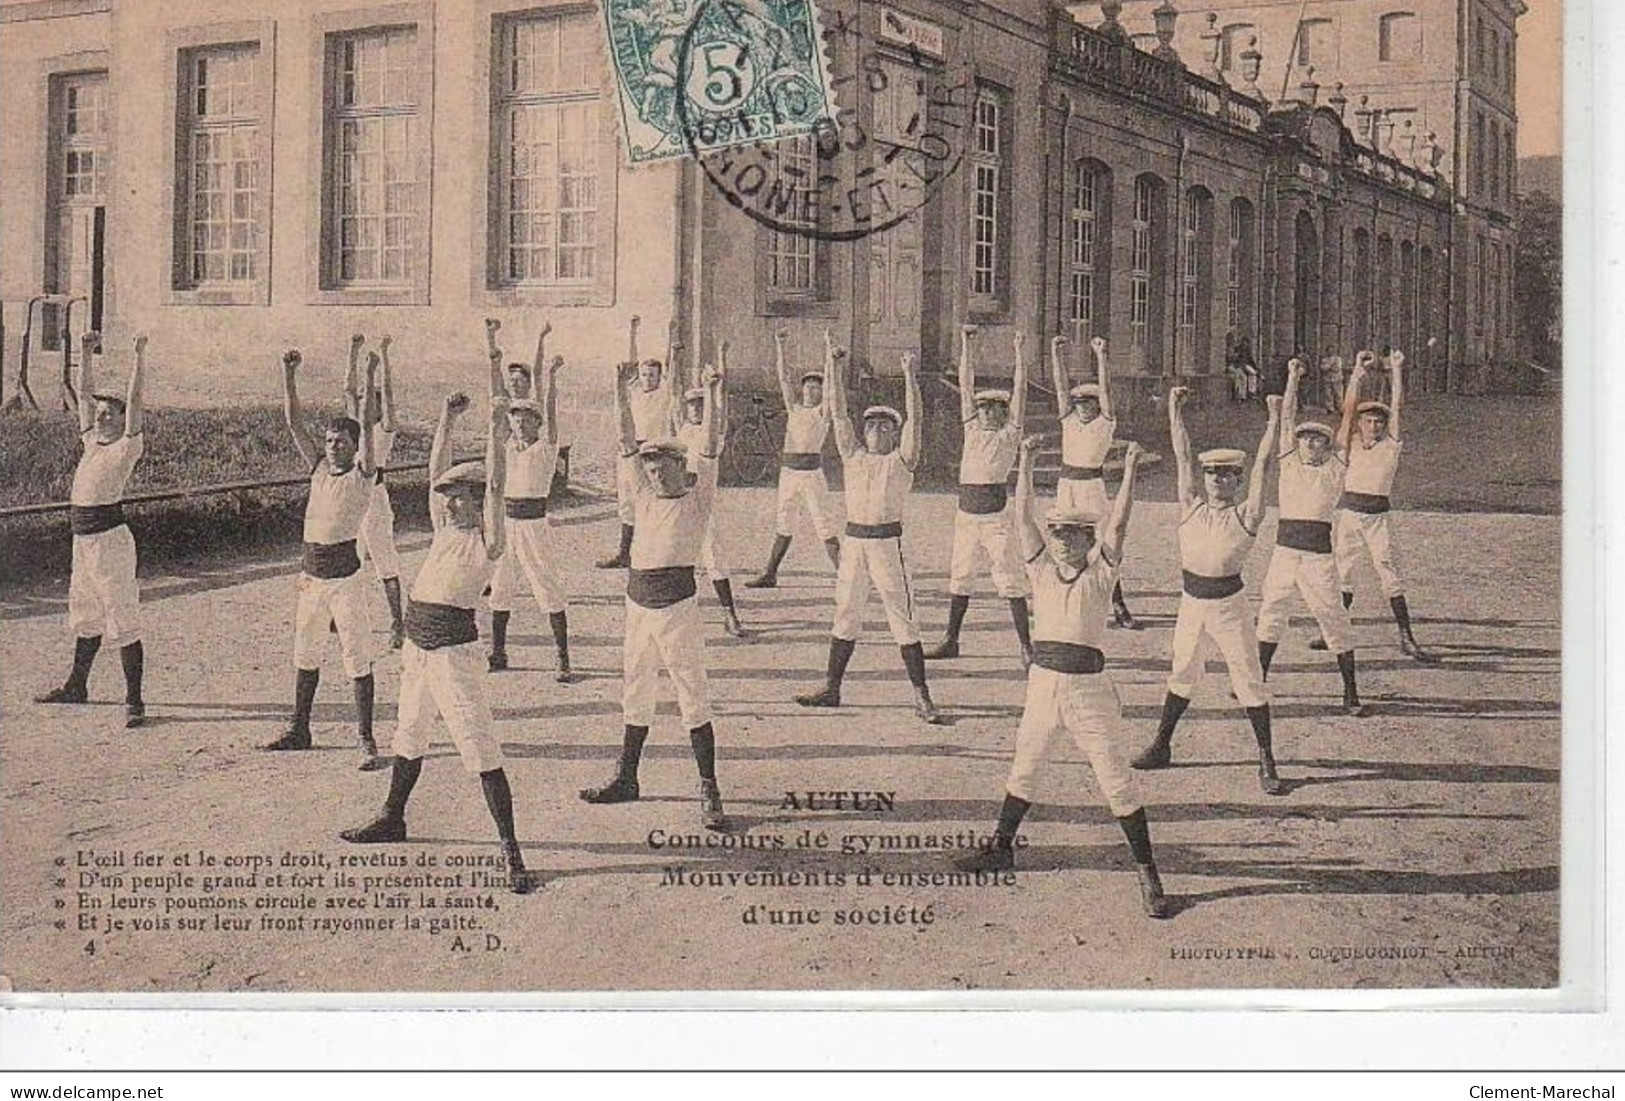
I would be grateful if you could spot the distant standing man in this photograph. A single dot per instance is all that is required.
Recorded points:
(879, 475)
(1088, 426)
(1302, 562)
(663, 626)
(1217, 528)
(992, 422)
(530, 454)
(649, 398)
(377, 540)
(801, 468)
(1068, 691)
(103, 599)
(330, 588)
(1362, 518)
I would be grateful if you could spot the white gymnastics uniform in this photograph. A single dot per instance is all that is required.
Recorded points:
(692, 437)
(1067, 690)
(1362, 514)
(651, 420)
(872, 553)
(442, 662)
(102, 595)
(981, 523)
(1302, 560)
(663, 624)
(801, 472)
(330, 590)
(531, 555)
(377, 540)
(1213, 611)
(1084, 447)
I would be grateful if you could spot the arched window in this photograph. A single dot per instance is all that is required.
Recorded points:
(1089, 249)
(1240, 260)
(1406, 339)
(1385, 291)
(1360, 330)
(1196, 280)
(1146, 270)
(1399, 37)
(1306, 287)
(1317, 43)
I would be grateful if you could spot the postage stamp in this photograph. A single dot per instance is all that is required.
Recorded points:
(697, 76)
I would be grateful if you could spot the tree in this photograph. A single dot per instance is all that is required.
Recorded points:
(1538, 279)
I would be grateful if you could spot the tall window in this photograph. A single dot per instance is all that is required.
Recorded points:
(1232, 42)
(1479, 155)
(1196, 278)
(1238, 280)
(547, 115)
(1362, 291)
(1145, 269)
(987, 167)
(1399, 37)
(1385, 291)
(792, 259)
(1090, 229)
(219, 217)
(1407, 299)
(1317, 42)
(375, 207)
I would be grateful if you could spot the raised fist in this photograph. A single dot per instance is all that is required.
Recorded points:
(1178, 395)
(781, 335)
(636, 321)
(1132, 453)
(291, 359)
(547, 327)
(711, 375)
(90, 338)
(1365, 361)
(557, 363)
(357, 340)
(456, 402)
(141, 344)
(1296, 368)
(492, 325)
(385, 341)
(1098, 343)
(838, 353)
(909, 363)
(1032, 444)
(968, 330)
(1020, 341)
(1059, 341)
(1396, 359)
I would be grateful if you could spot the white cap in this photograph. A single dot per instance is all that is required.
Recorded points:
(1374, 407)
(984, 397)
(1315, 428)
(662, 447)
(1223, 456)
(524, 405)
(467, 475)
(1085, 390)
(883, 412)
(1061, 517)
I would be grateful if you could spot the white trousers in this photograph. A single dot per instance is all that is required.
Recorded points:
(672, 638)
(1357, 530)
(342, 602)
(1085, 494)
(1315, 576)
(1086, 707)
(876, 562)
(450, 682)
(709, 555)
(626, 488)
(1225, 625)
(811, 489)
(377, 537)
(102, 595)
(986, 538)
(530, 556)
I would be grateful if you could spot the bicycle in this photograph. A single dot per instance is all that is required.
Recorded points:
(751, 453)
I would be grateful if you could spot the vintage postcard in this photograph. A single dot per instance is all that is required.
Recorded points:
(557, 496)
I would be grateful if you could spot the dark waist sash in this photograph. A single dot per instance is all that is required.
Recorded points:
(893, 530)
(1314, 536)
(524, 508)
(1067, 657)
(95, 519)
(432, 626)
(801, 460)
(1203, 587)
(330, 561)
(660, 588)
(1369, 503)
(982, 500)
(1081, 473)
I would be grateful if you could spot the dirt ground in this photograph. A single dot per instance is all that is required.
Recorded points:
(1417, 848)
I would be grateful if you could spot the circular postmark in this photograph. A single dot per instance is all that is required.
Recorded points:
(760, 129)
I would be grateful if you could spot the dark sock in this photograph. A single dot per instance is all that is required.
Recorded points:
(560, 622)
(1011, 812)
(1172, 708)
(403, 777)
(1348, 599)
(392, 596)
(1021, 618)
(364, 690)
(631, 751)
(499, 632)
(775, 557)
(1345, 666)
(1117, 596)
(914, 662)
(725, 592)
(704, 741)
(304, 696)
(84, 655)
(957, 607)
(1138, 833)
(1260, 718)
(133, 658)
(840, 652)
(626, 542)
(832, 547)
(1266, 654)
(499, 798)
(1402, 613)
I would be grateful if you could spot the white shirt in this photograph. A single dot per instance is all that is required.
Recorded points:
(104, 469)
(457, 569)
(383, 445)
(692, 437)
(1372, 469)
(530, 469)
(1071, 611)
(1213, 542)
(988, 457)
(651, 411)
(876, 487)
(1310, 492)
(337, 505)
(805, 429)
(670, 530)
(1086, 445)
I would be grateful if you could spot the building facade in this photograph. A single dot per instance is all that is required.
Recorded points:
(233, 186)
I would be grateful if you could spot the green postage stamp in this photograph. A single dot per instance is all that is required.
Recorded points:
(698, 75)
